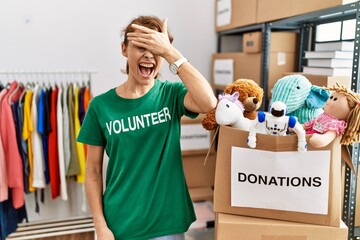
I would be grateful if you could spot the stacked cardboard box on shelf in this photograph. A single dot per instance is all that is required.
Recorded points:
(324, 81)
(275, 218)
(230, 227)
(234, 13)
(289, 8)
(195, 143)
(228, 67)
(230, 14)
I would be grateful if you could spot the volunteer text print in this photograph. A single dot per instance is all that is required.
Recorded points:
(138, 122)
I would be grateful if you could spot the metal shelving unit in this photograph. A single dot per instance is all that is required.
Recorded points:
(305, 24)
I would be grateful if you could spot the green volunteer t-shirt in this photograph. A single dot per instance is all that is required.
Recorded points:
(146, 193)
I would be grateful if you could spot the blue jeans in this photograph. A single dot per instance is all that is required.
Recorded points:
(171, 237)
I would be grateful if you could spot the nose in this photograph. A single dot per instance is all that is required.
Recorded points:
(148, 55)
(255, 100)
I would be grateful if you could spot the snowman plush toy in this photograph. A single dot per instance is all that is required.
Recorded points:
(275, 122)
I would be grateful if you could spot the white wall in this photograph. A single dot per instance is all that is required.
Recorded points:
(85, 34)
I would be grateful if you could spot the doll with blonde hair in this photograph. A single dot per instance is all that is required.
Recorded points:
(341, 117)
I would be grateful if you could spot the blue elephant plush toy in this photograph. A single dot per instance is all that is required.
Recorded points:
(303, 100)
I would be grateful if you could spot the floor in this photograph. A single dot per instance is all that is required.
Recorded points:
(203, 228)
(200, 234)
(192, 234)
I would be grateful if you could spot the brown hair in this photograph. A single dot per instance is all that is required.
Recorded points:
(352, 130)
(151, 22)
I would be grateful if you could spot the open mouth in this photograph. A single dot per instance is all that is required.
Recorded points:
(146, 69)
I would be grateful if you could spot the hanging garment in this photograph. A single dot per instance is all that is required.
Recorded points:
(24, 143)
(3, 168)
(12, 155)
(42, 127)
(74, 168)
(79, 146)
(27, 135)
(53, 147)
(10, 217)
(66, 129)
(60, 140)
(21, 144)
(87, 97)
(38, 175)
(81, 108)
(39, 181)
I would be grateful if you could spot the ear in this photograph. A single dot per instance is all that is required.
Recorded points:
(317, 97)
(123, 50)
(235, 96)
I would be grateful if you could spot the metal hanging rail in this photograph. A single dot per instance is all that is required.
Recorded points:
(29, 74)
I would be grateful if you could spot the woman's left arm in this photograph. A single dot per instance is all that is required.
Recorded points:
(200, 97)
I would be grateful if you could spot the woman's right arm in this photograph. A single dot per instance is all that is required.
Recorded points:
(94, 191)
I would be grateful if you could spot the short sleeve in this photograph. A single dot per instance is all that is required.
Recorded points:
(182, 90)
(308, 125)
(91, 132)
(337, 126)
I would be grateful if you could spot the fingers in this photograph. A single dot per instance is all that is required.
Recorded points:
(134, 35)
(142, 28)
(164, 27)
(140, 44)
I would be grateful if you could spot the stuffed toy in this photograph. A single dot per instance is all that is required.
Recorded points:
(341, 117)
(250, 95)
(275, 122)
(303, 100)
(230, 112)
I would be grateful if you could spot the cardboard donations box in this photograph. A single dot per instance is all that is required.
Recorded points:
(230, 227)
(275, 180)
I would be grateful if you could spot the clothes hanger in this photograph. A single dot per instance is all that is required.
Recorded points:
(13, 92)
(26, 89)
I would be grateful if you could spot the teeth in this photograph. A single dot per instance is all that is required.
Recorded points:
(148, 65)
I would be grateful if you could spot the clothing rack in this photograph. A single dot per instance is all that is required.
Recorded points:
(68, 225)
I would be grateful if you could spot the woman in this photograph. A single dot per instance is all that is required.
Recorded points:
(138, 126)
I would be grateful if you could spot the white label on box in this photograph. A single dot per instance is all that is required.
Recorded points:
(223, 71)
(223, 15)
(194, 137)
(288, 181)
(281, 58)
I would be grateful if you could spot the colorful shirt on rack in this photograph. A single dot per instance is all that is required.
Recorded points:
(74, 167)
(3, 168)
(60, 140)
(43, 129)
(79, 146)
(12, 155)
(66, 130)
(38, 154)
(21, 143)
(53, 148)
(10, 217)
(26, 135)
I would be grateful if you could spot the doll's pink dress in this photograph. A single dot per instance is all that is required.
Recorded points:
(323, 123)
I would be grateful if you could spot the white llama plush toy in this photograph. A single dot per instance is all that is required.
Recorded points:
(229, 111)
